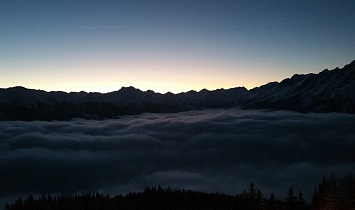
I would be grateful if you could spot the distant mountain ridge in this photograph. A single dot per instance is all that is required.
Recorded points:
(327, 91)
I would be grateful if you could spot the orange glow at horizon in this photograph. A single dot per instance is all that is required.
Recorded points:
(160, 74)
(108, 82)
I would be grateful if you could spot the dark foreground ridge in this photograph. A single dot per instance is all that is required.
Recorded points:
(328, 91)
(332, 193)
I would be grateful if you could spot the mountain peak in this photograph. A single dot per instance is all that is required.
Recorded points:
(18, 88)
(327, 91)
(128, 88)
(351, 65)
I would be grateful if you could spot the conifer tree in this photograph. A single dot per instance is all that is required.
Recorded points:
(291, 200)
(273, 202)
(259, 200)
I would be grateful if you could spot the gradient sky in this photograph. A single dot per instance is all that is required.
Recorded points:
(170, 45)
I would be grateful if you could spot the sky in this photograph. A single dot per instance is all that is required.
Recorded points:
(169, 45)
(208, 150)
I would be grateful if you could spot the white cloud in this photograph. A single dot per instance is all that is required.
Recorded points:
(208, 150)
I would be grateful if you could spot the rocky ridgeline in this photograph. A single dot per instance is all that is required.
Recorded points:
(328, 91)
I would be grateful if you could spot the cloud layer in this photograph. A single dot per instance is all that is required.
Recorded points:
(210, 150)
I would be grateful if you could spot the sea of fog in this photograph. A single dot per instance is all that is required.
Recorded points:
(208, 150)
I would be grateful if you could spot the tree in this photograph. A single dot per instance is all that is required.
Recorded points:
(252, 192)
(273, 202)
(259, 200)
(252, 197)
(291, 199)
(300, 201)
(315, 198)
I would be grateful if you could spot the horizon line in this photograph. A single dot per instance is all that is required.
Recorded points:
(123, 87)
(175, 93)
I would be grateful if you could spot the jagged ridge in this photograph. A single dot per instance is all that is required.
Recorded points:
(328, 91)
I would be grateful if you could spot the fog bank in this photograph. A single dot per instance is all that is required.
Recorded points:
(209, 150)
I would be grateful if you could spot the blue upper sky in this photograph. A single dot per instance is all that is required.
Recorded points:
(167, 45)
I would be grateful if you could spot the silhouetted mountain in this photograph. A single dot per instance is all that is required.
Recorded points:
(328, 91)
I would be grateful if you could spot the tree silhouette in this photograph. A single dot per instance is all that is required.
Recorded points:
(332, 193)
(335, 193)
(272, 203)
(291, 200)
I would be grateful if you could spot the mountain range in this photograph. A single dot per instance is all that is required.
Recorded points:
(327, 91)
